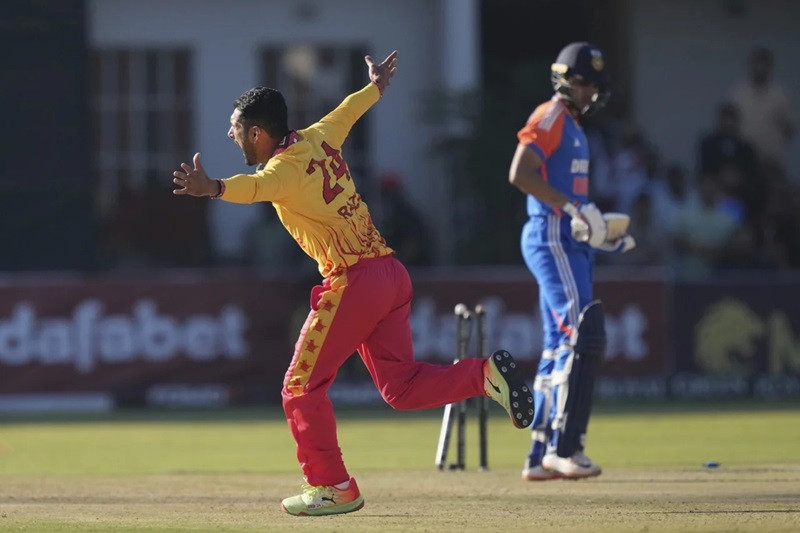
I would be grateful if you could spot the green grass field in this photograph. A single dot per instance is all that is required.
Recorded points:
(228, 470)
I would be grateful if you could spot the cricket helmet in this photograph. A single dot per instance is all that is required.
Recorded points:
(584, 60)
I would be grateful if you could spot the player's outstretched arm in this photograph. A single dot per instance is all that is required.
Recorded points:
(382, 73)
(337, 123)
(195, 181)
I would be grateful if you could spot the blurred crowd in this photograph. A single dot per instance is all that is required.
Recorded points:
(736, 209)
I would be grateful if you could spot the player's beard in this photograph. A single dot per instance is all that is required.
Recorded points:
(249, 151)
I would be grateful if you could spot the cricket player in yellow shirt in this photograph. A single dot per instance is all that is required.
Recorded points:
(364, 301)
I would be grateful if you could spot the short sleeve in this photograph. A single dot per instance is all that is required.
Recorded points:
(543, 131)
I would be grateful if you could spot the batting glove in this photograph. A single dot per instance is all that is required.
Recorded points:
(588, 224)
(618, 246)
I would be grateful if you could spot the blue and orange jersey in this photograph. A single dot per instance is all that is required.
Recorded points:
(309, 184)
(558, 139)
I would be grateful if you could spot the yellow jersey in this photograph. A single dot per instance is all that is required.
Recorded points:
(310, 187)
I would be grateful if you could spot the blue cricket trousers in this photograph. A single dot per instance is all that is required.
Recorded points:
(563, 269)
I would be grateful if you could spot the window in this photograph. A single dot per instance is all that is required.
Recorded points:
(142, 124)
(314, 80)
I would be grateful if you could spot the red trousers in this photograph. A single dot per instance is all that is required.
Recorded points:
(366, 309)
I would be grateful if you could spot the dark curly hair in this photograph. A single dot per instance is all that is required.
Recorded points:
(265, 108)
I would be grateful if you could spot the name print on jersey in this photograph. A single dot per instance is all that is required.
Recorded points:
(580, 166)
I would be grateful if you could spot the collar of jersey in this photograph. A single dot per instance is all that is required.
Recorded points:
(291, 138)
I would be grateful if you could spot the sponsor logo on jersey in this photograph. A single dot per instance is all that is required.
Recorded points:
(579, 166)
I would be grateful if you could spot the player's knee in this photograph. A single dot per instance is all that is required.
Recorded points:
(288, 398)
(296, 399)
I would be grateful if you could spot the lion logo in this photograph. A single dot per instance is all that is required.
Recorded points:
(597, 60)
(725, 338)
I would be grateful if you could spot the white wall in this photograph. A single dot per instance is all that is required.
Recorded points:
(227, 35)
(688, 53)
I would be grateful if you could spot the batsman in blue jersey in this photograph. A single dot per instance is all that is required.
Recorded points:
(559, 240)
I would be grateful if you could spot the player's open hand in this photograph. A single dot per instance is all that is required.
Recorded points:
(194, 181)
(382, 73)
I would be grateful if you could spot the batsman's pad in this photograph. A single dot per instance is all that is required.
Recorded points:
(589, 345)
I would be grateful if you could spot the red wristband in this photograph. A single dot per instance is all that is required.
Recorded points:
(221, 189)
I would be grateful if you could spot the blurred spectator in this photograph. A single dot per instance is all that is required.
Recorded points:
(601, 171)
(782, 222)
(731, 186)
(725, 154)
(702, 233)
(630, 168)
(272, 250)
(724, 144)
(767, 119)
(653, 173)
(401, 223)
(742, 251)
(671, 197)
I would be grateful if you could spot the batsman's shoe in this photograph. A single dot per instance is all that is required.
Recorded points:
(324, 500)
(576, 467)
(538, 473)
(503, 384)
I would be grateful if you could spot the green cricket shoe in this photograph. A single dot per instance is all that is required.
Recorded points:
(504, 384)
(324, 500)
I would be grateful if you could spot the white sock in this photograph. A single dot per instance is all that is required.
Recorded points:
(343, 485)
